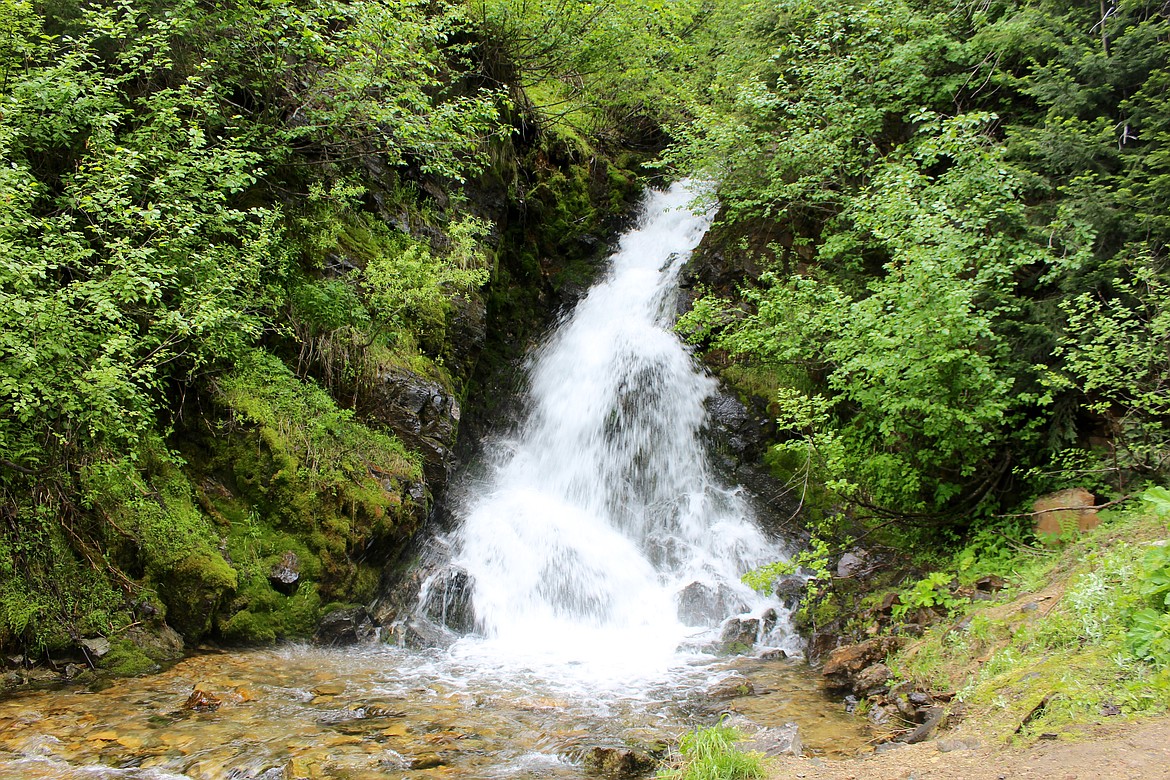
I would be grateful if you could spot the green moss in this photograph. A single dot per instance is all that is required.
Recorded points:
(193, 589)
(262, 615)
(126, 660)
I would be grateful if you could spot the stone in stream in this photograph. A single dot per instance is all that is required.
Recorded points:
(202, 701)
(342, 627)
(739, 635)
(618, 763)
(771, 741)
(730, 686)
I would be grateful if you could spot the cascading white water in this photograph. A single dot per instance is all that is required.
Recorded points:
(602, 508)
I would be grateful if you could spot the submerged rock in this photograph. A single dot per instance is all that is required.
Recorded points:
(618, 763)
(771, 741)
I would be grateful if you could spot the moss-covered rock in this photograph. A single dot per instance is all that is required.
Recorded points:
(193, 590)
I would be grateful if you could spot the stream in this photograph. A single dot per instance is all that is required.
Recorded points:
(598, 560)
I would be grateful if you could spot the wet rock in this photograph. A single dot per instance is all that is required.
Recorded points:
(879, 716)
(872, 679)
(845, 663)
(730, 686)
(422, 413)
(94, 647)
(202, 701)
(739, 635)
(790, 589)
(618, 763)
(920, 699)
(341, 627)
(285, 576)
(772, 654)
(822, 643)
(907, 710)
(771, 741)
(420, 634)
(700, 604)
(779, 741)
(768, 621)
(157, 642)
(852, 564)
(449, 600)
(1064, 512)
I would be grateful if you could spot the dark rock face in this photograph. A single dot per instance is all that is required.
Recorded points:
(851, 564)
(346, 627)
(448, 602)
(423, 414)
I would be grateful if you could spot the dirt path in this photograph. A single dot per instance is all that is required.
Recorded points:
(1115, 752)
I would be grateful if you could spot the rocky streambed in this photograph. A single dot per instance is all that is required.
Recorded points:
(303, 712)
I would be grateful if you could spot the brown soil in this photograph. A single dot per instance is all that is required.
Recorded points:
(1134, 751)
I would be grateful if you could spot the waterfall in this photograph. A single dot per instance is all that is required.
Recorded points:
(599, 539)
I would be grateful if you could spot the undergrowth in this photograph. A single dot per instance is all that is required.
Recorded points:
(1084, 631)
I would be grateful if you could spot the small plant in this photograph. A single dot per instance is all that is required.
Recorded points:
(711, 754)
(933, 590)
(1149, 632)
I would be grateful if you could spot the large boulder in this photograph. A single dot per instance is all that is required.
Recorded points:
(846, 664)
